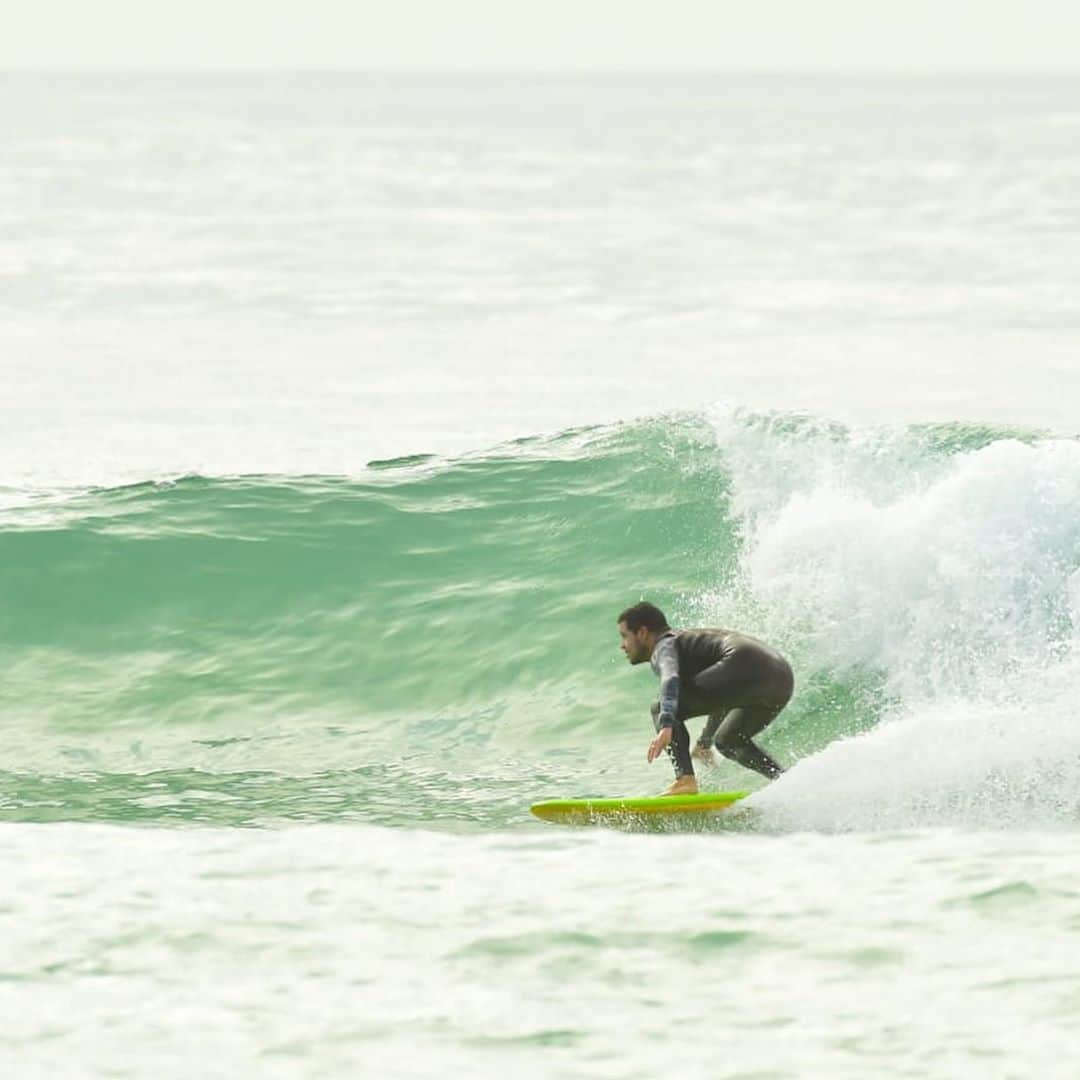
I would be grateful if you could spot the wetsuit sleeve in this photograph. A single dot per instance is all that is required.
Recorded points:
(665, 662)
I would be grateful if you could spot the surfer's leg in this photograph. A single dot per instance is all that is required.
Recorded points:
(746, 691)
(735, 739)
(679, 747)
(704, 745)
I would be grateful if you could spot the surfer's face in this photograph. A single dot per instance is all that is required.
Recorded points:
(635, 643)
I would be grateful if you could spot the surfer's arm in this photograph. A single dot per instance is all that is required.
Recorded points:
(665, 662)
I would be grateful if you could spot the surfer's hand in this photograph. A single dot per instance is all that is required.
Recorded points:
(656, 747)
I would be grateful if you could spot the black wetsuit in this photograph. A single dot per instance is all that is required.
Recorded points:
(740, 683)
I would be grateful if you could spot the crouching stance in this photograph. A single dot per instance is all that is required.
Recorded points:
(738, 682)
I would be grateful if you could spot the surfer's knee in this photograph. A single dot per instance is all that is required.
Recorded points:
(730, 748)
(740, 750)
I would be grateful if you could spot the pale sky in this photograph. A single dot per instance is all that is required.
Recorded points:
(1022, 36)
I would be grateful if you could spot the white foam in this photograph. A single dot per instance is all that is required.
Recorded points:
(954, 576)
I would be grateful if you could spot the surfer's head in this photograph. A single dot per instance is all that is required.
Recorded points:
(639, 627)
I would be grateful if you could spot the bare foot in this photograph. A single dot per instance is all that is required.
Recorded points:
(703, 752)
(685, 785)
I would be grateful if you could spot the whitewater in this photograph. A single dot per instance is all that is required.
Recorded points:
(341, 414)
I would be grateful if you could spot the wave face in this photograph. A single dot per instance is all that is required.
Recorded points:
(434, 641)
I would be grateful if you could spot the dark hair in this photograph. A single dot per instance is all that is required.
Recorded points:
(644, 614)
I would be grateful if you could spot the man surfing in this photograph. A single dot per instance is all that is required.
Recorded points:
(740, 683)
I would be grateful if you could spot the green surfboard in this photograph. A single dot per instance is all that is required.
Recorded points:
(614, 811)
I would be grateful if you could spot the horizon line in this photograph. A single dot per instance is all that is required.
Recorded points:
(544, 72)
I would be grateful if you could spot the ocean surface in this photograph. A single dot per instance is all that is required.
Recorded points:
(339, 417)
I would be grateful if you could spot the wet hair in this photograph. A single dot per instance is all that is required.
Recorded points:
(644, 614)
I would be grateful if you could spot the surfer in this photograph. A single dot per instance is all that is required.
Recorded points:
(738, 682)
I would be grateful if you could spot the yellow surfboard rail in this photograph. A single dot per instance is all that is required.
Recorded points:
(584, 811)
